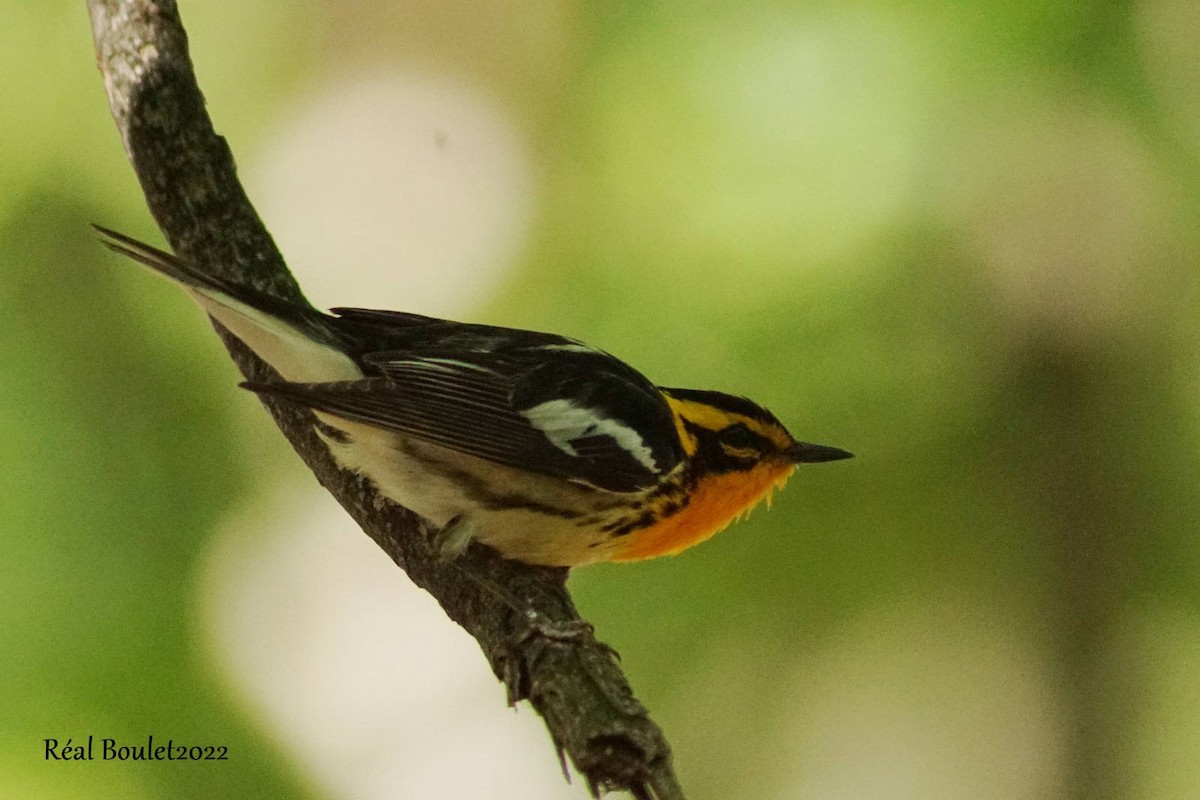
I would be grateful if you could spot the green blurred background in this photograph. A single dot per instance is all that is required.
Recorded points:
(958, 239)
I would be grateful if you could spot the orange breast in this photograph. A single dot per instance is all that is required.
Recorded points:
(716, 502)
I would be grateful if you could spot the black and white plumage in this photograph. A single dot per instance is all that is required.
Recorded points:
(423, 404)
(538, 445)
(529, 400)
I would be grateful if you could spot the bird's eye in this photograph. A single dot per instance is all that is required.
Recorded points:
(737, 436)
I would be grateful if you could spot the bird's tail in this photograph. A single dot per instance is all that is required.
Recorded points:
(294, 338)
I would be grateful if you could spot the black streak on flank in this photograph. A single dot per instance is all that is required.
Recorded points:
(331, 433)
(643, 520)
(479, 491)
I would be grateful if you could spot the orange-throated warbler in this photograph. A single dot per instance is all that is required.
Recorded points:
(537, 445)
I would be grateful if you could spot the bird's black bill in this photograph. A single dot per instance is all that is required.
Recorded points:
(805, 453)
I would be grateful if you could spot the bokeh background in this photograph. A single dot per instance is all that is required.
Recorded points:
(958, 239)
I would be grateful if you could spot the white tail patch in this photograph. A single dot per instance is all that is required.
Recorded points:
(295, 356)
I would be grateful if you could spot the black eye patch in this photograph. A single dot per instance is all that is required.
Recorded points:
(738, 436)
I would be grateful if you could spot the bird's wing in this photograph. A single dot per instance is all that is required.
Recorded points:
(582, 420)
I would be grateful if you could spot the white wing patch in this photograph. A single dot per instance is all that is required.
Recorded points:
(570, 347)
(562, 421)
(449, 365)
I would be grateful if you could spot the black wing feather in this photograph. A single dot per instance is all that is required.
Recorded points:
(468, 387)
(469, 409)
(478, 389)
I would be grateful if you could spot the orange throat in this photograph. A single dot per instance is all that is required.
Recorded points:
(716, 501)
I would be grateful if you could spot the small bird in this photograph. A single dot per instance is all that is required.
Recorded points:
(537, 445)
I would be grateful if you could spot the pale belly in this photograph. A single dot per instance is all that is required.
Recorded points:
(538, 519)
(563, 527)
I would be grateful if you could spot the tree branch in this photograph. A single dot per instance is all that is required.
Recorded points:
(189, 179)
